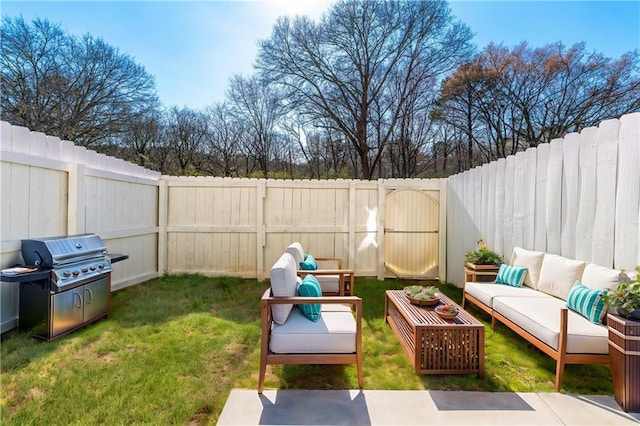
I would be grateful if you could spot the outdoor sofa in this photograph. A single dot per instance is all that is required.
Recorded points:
(556, 307)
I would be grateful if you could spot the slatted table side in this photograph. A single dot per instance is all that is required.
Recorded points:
(435, 345)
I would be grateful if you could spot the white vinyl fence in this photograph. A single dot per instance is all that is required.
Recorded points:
(222, 226)
(51, 187)
(578, 196)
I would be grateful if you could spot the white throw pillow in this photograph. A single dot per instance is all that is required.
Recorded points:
(532, 260)
(558, 275)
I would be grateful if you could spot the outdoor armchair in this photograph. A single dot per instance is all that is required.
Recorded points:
(333, 279)
(289, 337)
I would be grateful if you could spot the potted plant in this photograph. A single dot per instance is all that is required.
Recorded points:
(626, 298)
(483, 256)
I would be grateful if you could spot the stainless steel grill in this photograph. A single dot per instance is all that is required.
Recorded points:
(73, 260)
(70, 288)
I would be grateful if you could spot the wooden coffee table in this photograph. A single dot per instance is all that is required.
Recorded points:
(435, 345)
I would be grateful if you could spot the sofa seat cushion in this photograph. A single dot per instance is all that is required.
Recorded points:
(541, 318)
(334, 332)
(486, 292)
(558, 275)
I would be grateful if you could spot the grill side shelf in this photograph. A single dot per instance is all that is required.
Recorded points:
(117, 257)
(40, 274)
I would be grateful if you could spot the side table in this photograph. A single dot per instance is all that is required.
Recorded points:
(480, 273)
(624, 361)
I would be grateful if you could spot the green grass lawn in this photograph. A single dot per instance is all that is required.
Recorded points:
(172, 349)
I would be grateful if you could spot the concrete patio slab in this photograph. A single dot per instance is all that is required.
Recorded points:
(377, 407)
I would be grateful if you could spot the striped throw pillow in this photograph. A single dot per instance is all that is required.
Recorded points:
(587, 302)
(511, 275)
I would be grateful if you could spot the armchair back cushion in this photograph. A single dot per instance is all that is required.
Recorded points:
(284, 280)
(297, 251)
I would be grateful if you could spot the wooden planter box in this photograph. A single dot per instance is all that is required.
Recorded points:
(624, 361)
(480, 273)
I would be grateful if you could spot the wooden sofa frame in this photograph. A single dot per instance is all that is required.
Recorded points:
(560, 356)
(268, 357)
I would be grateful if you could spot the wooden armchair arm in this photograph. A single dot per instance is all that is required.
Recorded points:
(347, 278)
(329, 259)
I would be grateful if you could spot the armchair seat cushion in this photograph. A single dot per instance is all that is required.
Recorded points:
(334, 332)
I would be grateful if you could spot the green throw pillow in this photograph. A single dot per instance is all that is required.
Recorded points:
(309, 263)
(587, 302)
(511, 275)
(310, 287)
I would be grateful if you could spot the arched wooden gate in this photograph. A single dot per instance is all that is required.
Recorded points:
(411, 233)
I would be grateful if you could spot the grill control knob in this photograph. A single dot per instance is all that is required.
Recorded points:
(66, 274)
(85, 269)
(92, 267)
(101, 265)
(76, 273)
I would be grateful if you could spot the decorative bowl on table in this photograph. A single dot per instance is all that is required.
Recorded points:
(446, 311)
(422, 296)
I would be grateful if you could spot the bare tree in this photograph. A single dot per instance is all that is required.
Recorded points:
(507, 100)
(222, 141)
(359, 65)
(258, 108)
(80, 89)
(185, 132)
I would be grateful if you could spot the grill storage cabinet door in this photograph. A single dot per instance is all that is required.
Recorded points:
(47, 314)
(67, 311)
(624, 360)
(96, 299)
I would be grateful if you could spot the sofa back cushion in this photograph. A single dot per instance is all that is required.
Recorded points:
(284, 280)
(532, 260)
(602, 278)
(558, 275)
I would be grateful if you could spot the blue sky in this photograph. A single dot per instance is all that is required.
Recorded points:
(194, 47)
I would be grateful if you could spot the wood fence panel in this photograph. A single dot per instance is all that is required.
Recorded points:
(585, 220)
(499, 217)
(570, 193)
(529, 204)
(554, 197)
(491, 204)
(606, 176)
(509, 181)
(520, 196)
(540, 227)
(627, 231)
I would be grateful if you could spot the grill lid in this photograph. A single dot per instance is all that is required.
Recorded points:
(57, 251)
